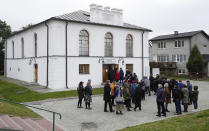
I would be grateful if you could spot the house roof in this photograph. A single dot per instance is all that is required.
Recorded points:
(205, 57)
(82, 17)
(180, 35)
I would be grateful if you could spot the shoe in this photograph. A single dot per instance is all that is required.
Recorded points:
(134, 109)
(106, 111)
(121, 112)
(164, 115)
(167, 110)
(140, 109)
(117, 113)
(112, 111)
(158, 115)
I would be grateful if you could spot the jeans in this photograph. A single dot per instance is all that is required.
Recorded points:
(195, 104)
(178, 106)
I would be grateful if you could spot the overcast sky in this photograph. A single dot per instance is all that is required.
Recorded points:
(161, 16)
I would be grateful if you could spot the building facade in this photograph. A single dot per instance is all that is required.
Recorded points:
(62, 51)
(176, 48)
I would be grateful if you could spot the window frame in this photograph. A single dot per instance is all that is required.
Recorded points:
(81, 43)
(129, 45)
(82, 69)
(22, 47)
(108, 41)
(162, 45)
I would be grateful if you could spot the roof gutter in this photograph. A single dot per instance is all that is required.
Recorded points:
(47, 56)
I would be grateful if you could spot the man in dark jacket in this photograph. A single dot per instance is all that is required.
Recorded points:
(111, 74)
(107, 97)
(121, 75)
(161, 95)
(137, 96)
(177, 96)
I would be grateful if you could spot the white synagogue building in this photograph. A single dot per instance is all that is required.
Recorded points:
(63, 50)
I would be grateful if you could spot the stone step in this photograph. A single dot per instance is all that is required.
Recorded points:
(21, 122)
(48, 125)
(10, 122)
(35, 125)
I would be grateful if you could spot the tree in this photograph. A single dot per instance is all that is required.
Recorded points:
(5, 31)
(195, 62)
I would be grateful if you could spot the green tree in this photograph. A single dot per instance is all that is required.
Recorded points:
(195, 62)
(5, 31)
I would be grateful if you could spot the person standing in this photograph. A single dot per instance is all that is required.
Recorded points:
(88, 94)
(195, 94)
(119, 100)
(121, 75)
(117, 76)
(127, 96)
(185, 100)
(168, 96)
(111, 74)
(80, 91)
(107, 97)
(147, 85)
(143, 89)
(160, 99)
(177, 96)
(112, 93)
(180, 84)
(189, 87)
(138, 93)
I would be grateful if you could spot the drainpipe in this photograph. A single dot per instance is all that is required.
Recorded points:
(66, 63)
(142, 54)
(5, 59)
(47, 56)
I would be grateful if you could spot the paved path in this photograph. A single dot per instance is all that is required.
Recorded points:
(96, 120)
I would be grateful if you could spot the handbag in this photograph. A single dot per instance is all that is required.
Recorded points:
(119, 99)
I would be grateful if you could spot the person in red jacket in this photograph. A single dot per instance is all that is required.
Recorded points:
(117, 76)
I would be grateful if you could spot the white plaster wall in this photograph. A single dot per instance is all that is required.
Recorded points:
(57, 53)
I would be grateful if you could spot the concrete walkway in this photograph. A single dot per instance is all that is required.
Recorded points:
(96, 120)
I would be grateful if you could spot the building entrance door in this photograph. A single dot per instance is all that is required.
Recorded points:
(107, 71)
(36, 72)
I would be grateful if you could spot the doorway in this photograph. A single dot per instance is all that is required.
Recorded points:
(106, 70)
(36, 73)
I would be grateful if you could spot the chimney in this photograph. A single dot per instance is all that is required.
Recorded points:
(106, 15)
(176, 32)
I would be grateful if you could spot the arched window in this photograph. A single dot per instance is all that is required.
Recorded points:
(83, 43)
(108, 44)
(35, 44)
(22, 46)
(129, 46)
(13, 49)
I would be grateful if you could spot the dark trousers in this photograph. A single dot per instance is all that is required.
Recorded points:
(178, 106)
(138, 104)
(112, 99)
(121, 81)
(80, 102)
(105, 105)
(148, 90)
(195, 104)
(143, 95)
(128, 103)
(160, 105)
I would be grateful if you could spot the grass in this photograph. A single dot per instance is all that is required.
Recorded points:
(18, 93)
(191, 122)
(17, 110)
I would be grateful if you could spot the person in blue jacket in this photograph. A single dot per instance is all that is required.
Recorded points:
(88, 93)
(121, 75)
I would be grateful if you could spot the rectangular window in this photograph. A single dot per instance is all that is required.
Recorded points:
(22, 41)
(181, 71)
(129, 67)
(179, 44)
(179, 58)
(162, 45)
(163, 58)
(83, 68)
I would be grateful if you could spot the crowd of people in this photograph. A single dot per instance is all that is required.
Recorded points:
(123, 91)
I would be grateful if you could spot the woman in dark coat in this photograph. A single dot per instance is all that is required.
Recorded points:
(107, 97)
(80, 91)
(138, 96)
(88, 93)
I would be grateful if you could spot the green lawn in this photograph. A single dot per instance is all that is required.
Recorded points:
(17, 93)
(20, 94)
(191, 122)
